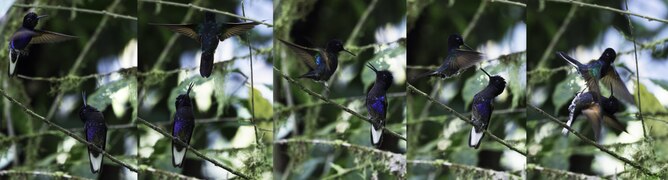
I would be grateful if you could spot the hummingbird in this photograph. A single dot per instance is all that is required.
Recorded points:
(376, 103)
(208, 34)
(182, 128)
(601, 70)
(27, 35)
(597, 109)
(95, 130)
(482, 108)
(456, 61)
(322, 63)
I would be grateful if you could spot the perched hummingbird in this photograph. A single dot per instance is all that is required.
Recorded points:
(208, 34)
(184, 123)
(95, 130)
(456, 61)
(376, 103)
(601, 70)
(322, 63)
(482, 108)
(27, 35)
(597, 109)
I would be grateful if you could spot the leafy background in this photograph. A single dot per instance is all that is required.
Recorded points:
(223, 130)
(435, 134)
(553, 84)
(33, 145)
(301, 116)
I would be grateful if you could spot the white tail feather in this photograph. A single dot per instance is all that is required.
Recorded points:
(565, 131)
(96, 162)
(12, 64)
(375, 135)
(178, 155)
(475, 137)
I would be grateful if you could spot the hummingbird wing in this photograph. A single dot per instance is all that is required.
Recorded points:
(464, 59)
(613, 122)
(569, 59)
(595, 116)
(611, 77)
(233, 29)
(183, 29)
(305, 54)
(41, 36)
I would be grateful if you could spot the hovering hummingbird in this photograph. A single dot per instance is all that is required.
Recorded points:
(482, 108)
(601, 70)
(182, 128)
(376, 103)
(597, 109)
(322, 63)
(95, 130)
(27, 35)
(456, 61)
(208, 34)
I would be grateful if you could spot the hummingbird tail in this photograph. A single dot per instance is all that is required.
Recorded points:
(178, 154)
(95, 159)
(206, 64)
(569, 59)
(475, 138)
(565, 131)
(13, 60)
(376, 136)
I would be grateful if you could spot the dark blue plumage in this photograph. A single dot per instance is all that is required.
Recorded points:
(456, 61)
(376, 104)
(27, 35)
(597, 109)
(209, 33)
(95, 131)
(322, 63)
(182, 127)
(482, 107)
(601, 70)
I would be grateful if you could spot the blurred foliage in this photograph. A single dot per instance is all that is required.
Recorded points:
(436, 134)
(312, 24)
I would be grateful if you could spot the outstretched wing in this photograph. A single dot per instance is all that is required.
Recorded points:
(183, 29)
(41, 36)
(233, 29)
(308, 55)
(464, 59)
(611, 77)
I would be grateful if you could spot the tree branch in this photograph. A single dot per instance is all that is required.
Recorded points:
(511, 3)
(635, 53)
(610, 9)
(561, 173)
(89, 11)
(557, 36)
(161, 173)
(462, 117)
(360, 23)
(193, 6)
(328, 101)
(589, 141)
(17, 174)
(467, 168)
(78, 138)
(193, 150)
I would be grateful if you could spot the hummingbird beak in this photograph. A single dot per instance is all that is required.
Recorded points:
(83, 96)
(351, 53)
(371, 67)
(42, 16)
(467, 46)
(190, 87)
(483, 70)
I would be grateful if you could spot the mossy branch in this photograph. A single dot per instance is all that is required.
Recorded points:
(361, 21)
(26, 174)
(161, 174)
(344, 99)
(61, 129)
(627, 12)
(329, 101)
(462, 117)
(193, 150)
(560, 173)
(635, 53)
(467, 168)
(74, 78)
(589, 141)
(193, 6)
(505, 56)
(89, 11)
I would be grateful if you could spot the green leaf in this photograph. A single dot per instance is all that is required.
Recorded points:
(649, 102)
(517, 82)
(338, 168)
(263, 108)
(379, 61)
(662, 83)
(101, 98)
(565, 91)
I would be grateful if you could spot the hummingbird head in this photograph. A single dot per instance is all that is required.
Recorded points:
(383, 78)
(496, 83)
(30, 20)
(85, 108)
(611, 104)
(455, 40)
(209, 16)
(608, 55)
(336, 46)
(184, 99)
